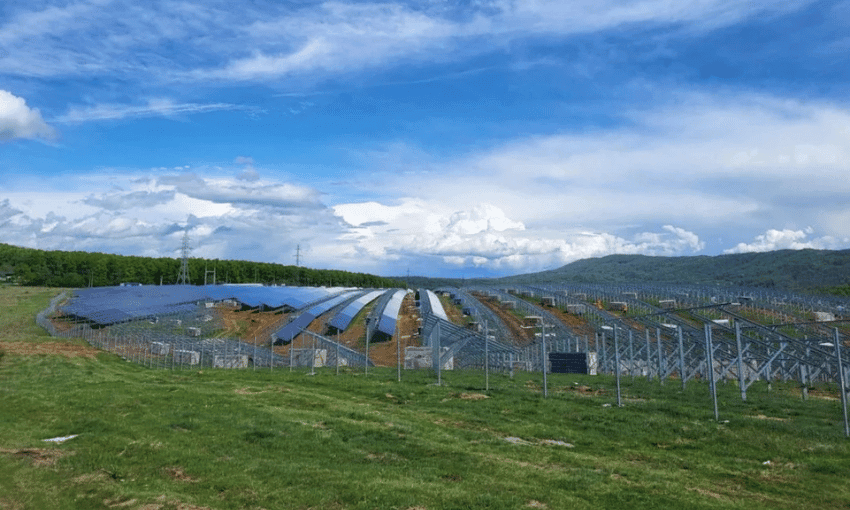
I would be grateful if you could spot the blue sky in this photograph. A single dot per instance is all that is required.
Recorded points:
(474, 138)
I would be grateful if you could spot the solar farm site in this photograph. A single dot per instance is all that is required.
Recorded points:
(687, 333)
(555, 396)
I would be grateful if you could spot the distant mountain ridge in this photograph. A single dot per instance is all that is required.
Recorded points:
(804, 270)
(788, 269)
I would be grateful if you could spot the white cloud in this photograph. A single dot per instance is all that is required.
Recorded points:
(244, 194)
(676, 162)
(237, 42)
(787, 239)
(483, 236)
(153, 108)
(17, 120)
(249, 173)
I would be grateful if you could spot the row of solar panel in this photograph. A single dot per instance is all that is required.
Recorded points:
(435, 306)
(342, 319)
(107, 305)
(389, 316)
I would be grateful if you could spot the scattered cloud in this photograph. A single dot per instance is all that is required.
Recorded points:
(122, 201)
(17, 120)
(153, 108)
(249, 173)
(105, 37)
(787, 239)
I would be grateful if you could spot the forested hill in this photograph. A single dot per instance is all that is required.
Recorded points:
(787, 269)
(76, 269)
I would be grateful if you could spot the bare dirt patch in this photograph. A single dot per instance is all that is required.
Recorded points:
(472, 396)
(40, 457)
(250, 325)
(772, 418)
(56, 348)
(520, 335)
(177, 473)
(407, 329)
(171, 503)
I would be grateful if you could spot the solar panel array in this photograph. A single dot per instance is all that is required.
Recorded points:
(110, 305)
(389, 316)
(344, 317)
(291, 330)
(436, 307)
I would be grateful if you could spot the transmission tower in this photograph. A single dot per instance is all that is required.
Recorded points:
(183, 278)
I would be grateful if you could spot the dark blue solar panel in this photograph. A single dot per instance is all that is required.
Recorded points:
(342, 319)
(324, 306)
(291, 330)
(107, 305)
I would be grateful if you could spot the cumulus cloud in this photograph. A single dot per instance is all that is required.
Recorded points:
(7, 212)
(483, 236)
(786, 239)
(17, 120)
(226, 218)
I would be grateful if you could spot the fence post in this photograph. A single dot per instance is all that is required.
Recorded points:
(843, 385)
(486, 357)
(660, 356)
(682, 373)
(742, 380)
(617, 368)
(709, 347)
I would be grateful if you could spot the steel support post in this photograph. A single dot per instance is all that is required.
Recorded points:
(617, 368)
(435, 350)
(660, 356)
(631, 355)
(312, 357)
(543, 360)
(682, 374)
(709, 347)
(368, 337)
(486, 357)
(742, 380)
(842, 387)
(648, 358)
(602, 351)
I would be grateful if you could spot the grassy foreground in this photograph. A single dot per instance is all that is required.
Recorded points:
(244, 439)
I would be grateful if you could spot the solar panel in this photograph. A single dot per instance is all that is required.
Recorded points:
(291, 330)
(342, 319)
(109, 305)
(436, 305)
(389, 316)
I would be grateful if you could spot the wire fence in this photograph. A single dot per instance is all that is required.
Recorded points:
(712, 343)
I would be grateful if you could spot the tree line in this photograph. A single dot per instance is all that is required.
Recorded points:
(76, 269)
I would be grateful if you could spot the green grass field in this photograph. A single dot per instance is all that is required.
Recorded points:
(244, 439)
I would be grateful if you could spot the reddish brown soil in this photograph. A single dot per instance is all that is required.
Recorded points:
(514, 324)
(453, 312)
(384, 353)
(41, 457)
(259, 324)
(575, 323)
